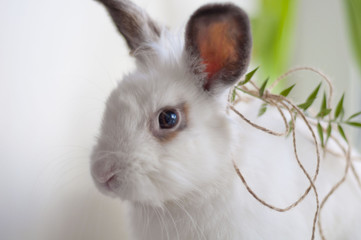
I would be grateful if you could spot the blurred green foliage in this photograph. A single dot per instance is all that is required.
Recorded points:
(353, 13)
(273, 28)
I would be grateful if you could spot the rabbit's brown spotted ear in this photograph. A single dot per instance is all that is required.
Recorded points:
(219, 36)
(132, 22)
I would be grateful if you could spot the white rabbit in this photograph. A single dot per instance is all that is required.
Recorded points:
(166, 144)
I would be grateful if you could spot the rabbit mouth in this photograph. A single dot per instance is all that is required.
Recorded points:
(110, 187)
(113, 184)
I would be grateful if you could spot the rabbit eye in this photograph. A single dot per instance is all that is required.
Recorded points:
(168, 119)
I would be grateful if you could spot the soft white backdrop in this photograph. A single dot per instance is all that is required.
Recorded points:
(58, 62)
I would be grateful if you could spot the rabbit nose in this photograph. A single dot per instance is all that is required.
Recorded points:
(103, 171)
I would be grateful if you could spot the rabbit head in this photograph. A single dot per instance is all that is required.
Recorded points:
(164, 133)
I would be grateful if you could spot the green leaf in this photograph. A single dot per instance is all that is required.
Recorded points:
(324, 112)
(320, 133)
(248, 77)
(287, 91)
(290, 124)
(328, 132)
(313, 95)
(234, 94)
(306, 105)
(353, 116)
(262, 110)
(342, 114)
(324, 102)
(340, 129)
(310, 99)
(339, 107)
(263, 87)
(354, 124)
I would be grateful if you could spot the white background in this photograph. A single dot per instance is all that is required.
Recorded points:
(58, 62)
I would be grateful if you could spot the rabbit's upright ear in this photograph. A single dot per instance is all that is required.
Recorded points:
(219, 37)
(132, 22)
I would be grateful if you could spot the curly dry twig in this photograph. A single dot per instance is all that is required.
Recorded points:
(275, 100)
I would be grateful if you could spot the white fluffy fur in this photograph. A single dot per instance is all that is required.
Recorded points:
(186, 188)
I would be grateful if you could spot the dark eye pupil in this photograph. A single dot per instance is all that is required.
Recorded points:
(168, 119)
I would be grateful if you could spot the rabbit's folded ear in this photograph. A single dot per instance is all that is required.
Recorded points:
(219, 37)
(132, 22)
